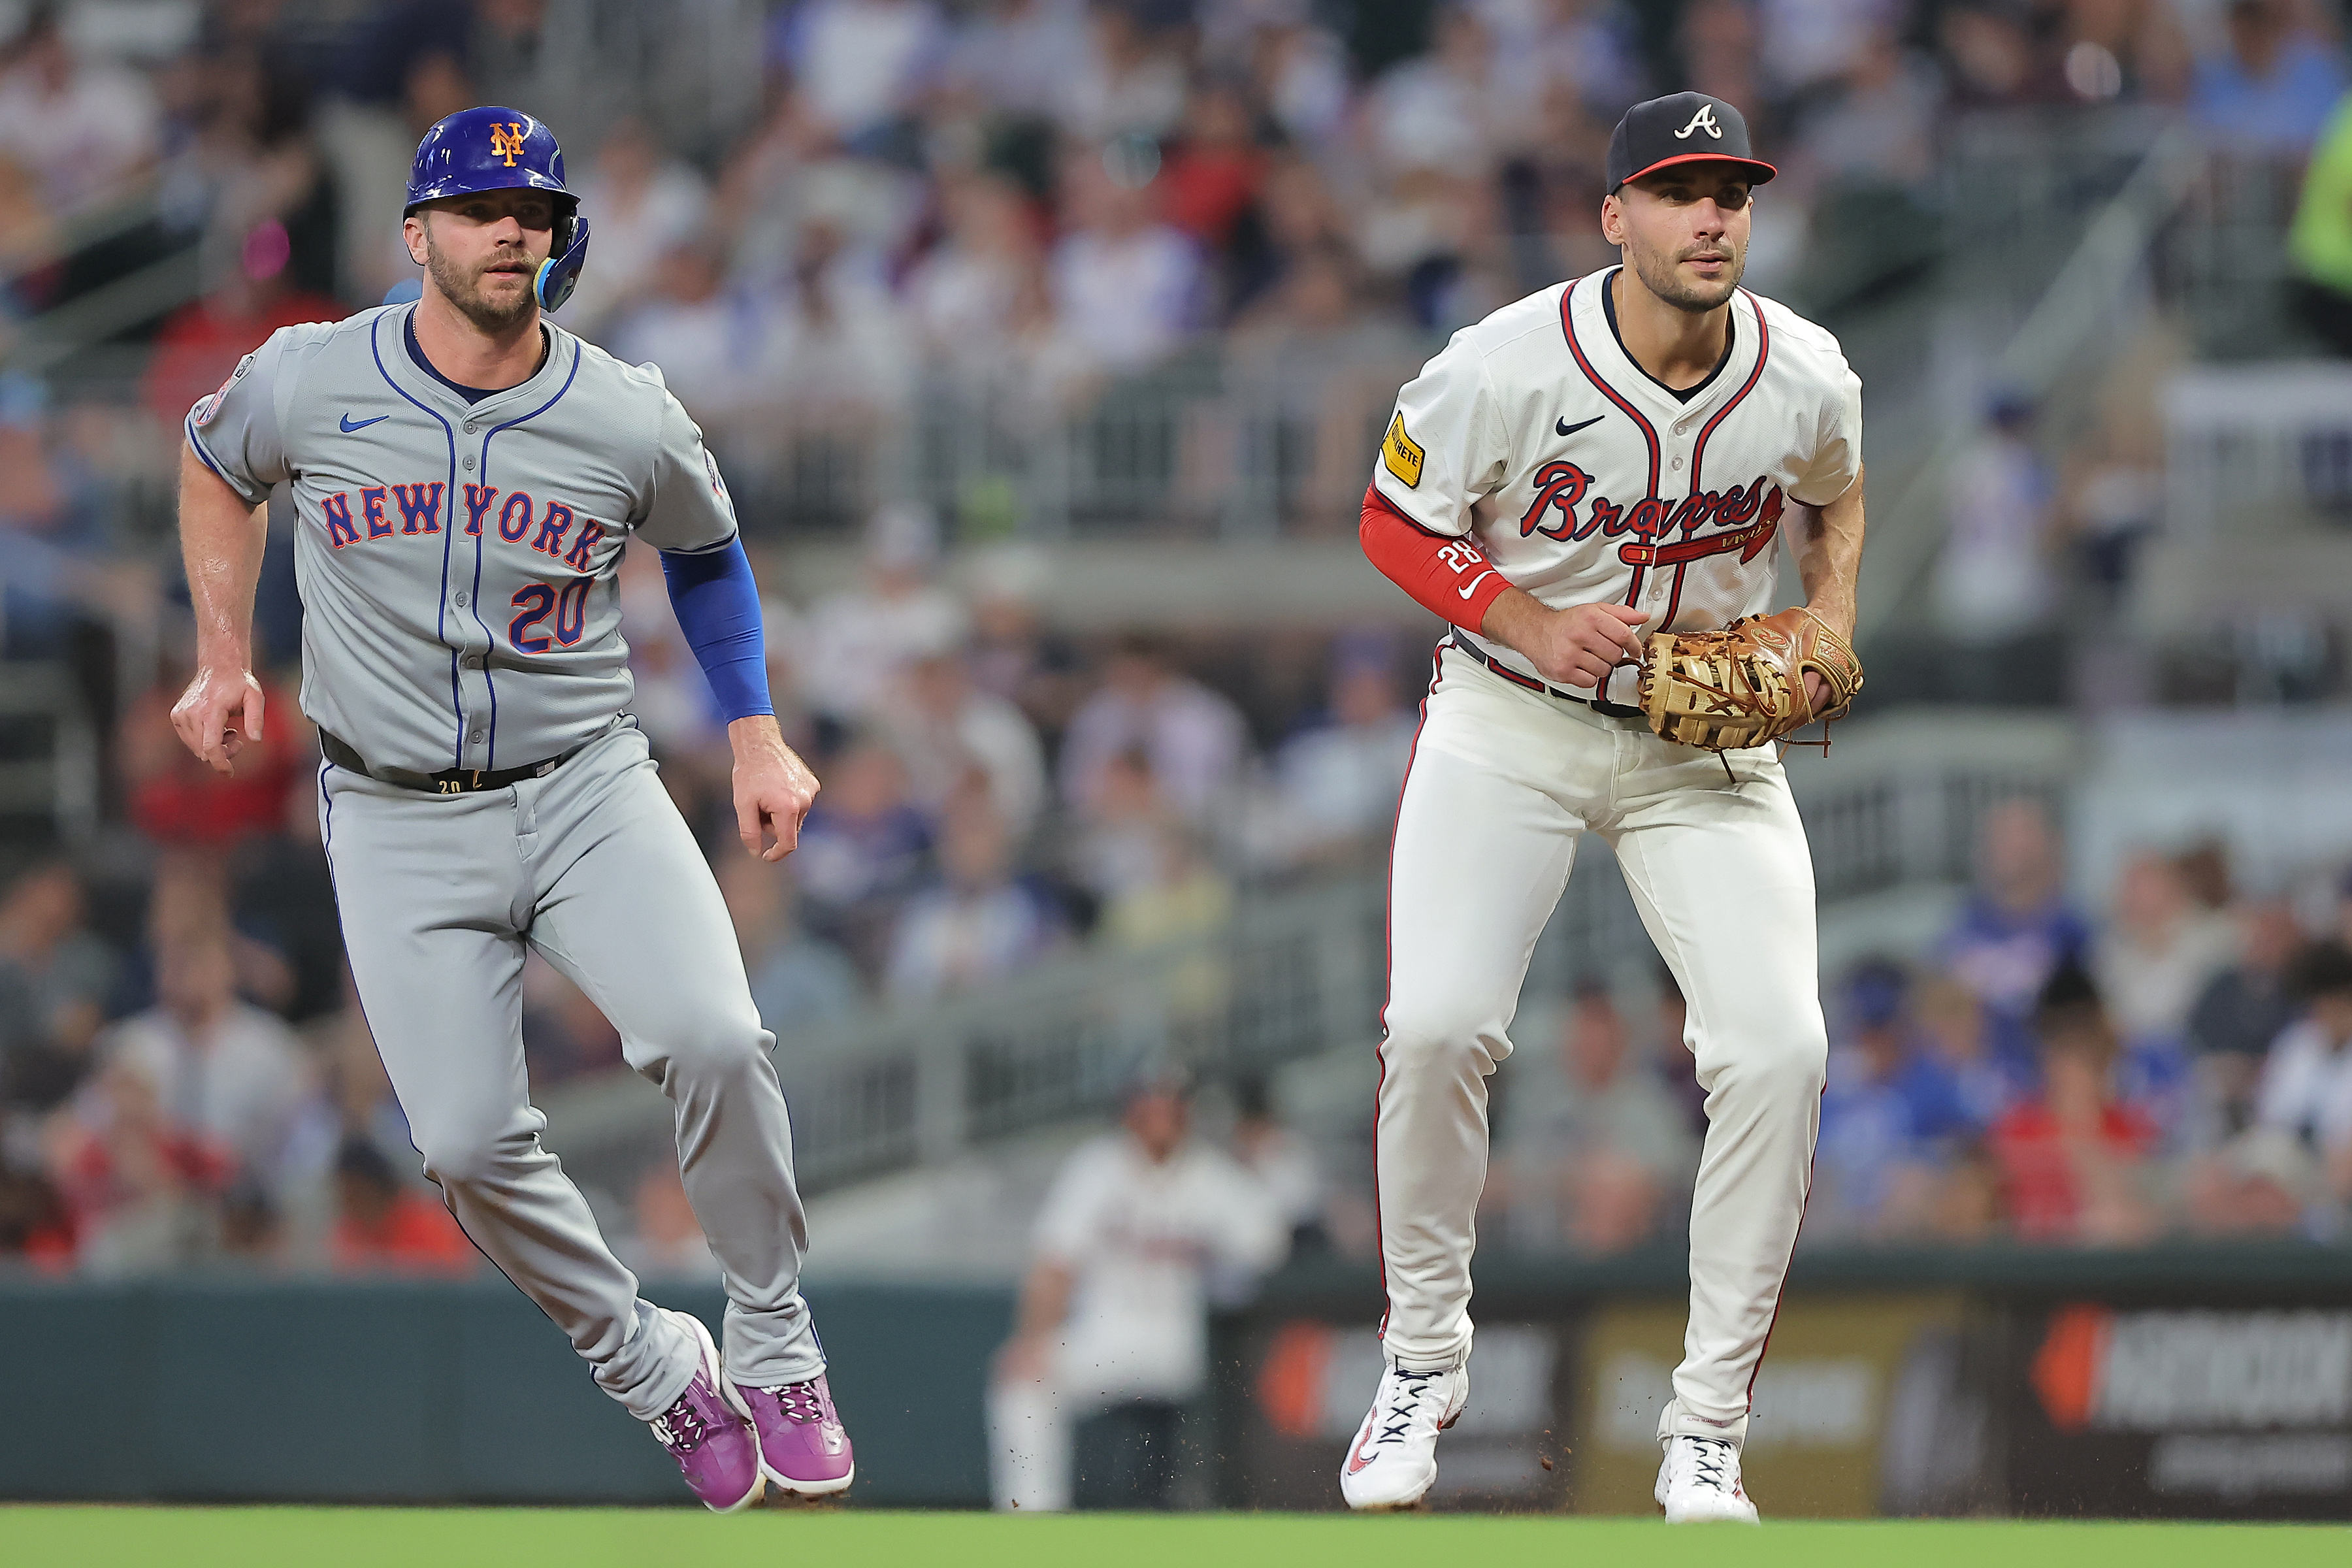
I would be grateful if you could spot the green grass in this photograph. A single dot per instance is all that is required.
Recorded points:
(589, 1537)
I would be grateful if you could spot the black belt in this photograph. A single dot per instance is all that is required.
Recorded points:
(449, 781)
(1606, 710)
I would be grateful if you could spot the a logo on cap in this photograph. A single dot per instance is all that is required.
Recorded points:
(1703, 121)
(506, 142)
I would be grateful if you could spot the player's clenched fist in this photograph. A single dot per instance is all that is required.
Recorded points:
(1575, 647)
(773, 788)
(217, 714)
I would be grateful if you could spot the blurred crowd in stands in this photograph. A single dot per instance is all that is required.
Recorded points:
(2179, 1062)
(184, 1076)
(185, 1073)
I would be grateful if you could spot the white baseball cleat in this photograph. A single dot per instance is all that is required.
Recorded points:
(1394, 1458)
(1699, 1483)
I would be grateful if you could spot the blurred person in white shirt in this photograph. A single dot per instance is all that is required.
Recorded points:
(1018, 56)
(1114, 1312)
(977, 922)
(1993, 581)
(860, 641)
(2159, 951)
(646, 204)
(962, 295)
(1442, 110)
(221, 1067)
(1126, 286)
(956, 739)
(83, 129)
(2307, 1085)
(720, 347)
(1337, 783)
(860, 64)
(845, 358)
(1193, 737)
(1129, 79)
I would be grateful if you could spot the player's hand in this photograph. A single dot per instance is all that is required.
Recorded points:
(219, 715)
(773, 788)
(1575, 647)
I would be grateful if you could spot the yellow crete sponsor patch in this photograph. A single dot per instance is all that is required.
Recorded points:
(1401, 453)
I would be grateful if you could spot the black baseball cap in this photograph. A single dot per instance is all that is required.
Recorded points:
(1681, 127)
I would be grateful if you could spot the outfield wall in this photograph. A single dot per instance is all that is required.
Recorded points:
(192, 1389)
(2212, 1381)
(2183, 1381)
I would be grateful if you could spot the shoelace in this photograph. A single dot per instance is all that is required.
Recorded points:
(681, 1427)
(1410, 1387)
(800, 1403)
(1707, 1462)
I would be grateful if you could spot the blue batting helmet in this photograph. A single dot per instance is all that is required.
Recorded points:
(496, 149)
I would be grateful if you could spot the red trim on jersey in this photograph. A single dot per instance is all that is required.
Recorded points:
(1763, 352)
(1453, 579)
(1698, 460)
(1388, 975)
(1568, 330)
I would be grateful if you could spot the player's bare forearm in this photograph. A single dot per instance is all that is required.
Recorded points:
(1575, 647)
(773, 788)
(1829, 556)
(221, 542)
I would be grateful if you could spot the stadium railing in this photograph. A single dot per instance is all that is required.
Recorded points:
(1895, 806)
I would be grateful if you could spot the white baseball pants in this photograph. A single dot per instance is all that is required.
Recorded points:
(1504, 782)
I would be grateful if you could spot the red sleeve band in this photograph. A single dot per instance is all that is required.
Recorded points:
(1450, 578)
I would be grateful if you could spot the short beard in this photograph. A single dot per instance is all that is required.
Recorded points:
(465, 293)
(1658, 275)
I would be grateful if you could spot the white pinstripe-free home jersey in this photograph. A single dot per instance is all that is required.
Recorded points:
(1583, 480)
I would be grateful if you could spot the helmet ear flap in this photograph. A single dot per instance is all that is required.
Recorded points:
(560, 273)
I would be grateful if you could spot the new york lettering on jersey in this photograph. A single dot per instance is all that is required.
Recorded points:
(458, 558)
(1583, 480)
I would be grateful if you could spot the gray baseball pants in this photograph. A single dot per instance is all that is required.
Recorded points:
(592, 866)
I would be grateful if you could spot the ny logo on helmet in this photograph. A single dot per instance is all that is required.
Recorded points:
(506, 141)
(1703, 121)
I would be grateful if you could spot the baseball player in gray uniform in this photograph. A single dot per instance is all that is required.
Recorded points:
(465, 476)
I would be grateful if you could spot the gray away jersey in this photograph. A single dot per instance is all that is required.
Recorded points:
(456, 562)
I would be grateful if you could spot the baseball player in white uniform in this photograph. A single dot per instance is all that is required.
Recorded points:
(1608, 458)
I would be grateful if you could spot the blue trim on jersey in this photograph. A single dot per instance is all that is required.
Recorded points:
(490, 759)
(716, 602)
(441, 609)
(472, 394)
(188, 427)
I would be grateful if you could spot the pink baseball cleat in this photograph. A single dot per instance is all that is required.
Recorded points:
(707, 1433)
(803, 1447)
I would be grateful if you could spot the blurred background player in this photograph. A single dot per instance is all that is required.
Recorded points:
(1111, 1321)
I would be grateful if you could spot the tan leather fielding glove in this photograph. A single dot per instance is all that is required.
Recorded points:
(1745, 685)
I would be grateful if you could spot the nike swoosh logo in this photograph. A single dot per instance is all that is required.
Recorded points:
(1475, 581)
(1565, 429)
(349, 426)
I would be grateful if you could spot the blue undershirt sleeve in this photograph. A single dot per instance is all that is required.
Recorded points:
(718, 608)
